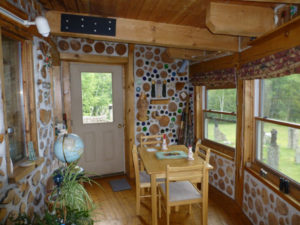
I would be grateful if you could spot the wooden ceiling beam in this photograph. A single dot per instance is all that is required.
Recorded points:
(241, 20)
(275, 1)
(189, 54)
(152, 33)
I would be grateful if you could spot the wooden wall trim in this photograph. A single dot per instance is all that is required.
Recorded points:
(198, 113)
(57, 94)
(129, 111)
(66, 80)
(88, 58)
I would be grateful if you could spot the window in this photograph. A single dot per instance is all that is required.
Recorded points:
(17, 86)
(97, 105)
(277, 120)
(220, 118)
(13, 90)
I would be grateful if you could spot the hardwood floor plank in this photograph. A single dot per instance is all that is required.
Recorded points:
(118, 208)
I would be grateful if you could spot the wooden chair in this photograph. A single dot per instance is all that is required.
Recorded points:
(179, 188)
(142, 181)
(202, 151)
(152, 140)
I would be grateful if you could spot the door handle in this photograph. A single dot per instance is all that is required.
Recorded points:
(120, 125)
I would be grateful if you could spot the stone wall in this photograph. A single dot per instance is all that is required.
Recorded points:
(222, 176)
(152, 64)
(264, 207)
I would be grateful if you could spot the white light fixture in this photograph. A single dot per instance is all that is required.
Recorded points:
(40, 22)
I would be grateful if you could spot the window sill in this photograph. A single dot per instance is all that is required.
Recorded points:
(219, 149)
(21, 172)
(292, 201)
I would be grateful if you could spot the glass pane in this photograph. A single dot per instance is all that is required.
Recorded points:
(278, 147)
(223, 100)
(97, 105)
(14, 98)
(281, 98)
(220, 128)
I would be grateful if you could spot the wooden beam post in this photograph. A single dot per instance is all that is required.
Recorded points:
(236, 19)
(66, 78)
(129, 111)
(153, 33)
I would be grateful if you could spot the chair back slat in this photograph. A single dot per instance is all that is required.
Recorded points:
(136, 165)
(202, 151)
(151, 140)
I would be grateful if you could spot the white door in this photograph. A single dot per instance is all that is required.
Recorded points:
(97, 116)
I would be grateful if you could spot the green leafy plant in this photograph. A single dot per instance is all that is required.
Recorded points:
(71, 192)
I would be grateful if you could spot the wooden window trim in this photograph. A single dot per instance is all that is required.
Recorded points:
(16, 173)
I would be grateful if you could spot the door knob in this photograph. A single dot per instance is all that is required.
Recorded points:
(120, 125)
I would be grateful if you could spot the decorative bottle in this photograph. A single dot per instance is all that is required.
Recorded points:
(153, 89)
(164, 144)
(190, 154)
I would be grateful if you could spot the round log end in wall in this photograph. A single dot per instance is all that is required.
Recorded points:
(295, 219)
(137, 54)
(140, 72)
(212, 161)
(157, 51)
(43, 72)
(87, 49)
(220, 162)
(75, 45)
(149, 55)
(171, 92)
(247, 188)
(221, 172)
(139, 129)
(40, 57)
(164, 121)
(139, 63)
(229, 172)
(259, 207)
(110, 50)
(152, 63)
(282, 207)
(221, 184)
(43, 48)
(172, 107)
(121, 49)
(154, 129)
(45, 116)
(229, 190)
(63, 45)
(265, 196)
(163, 74)
(250, 202)
(138, 137)
(179, 86)
(142, 49)
(159, 66)
(272, 219)
(178, 119)
(253, 192)
(99, 47)
(174, 66)
(165, 58)
(90, 41)
(146, 87)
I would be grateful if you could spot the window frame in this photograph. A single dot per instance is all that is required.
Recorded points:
(273, 174)
(29, 107)
(224, 149)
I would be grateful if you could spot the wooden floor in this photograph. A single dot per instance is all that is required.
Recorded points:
(118, 208)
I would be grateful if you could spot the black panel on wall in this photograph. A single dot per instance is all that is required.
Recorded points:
(88, 25)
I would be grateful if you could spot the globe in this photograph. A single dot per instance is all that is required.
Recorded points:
(68, 148)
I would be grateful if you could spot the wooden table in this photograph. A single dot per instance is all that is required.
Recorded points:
(156, 168)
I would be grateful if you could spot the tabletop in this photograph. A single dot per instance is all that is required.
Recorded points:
(153, 165)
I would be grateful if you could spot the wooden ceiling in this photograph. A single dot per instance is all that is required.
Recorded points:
(180, 12)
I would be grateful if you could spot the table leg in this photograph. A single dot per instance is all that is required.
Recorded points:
(154, 199)
(205, 197)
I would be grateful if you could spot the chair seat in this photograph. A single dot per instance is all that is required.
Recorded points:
(145, 178)
(181, 191)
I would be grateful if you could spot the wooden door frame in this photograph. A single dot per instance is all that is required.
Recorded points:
(128, 93)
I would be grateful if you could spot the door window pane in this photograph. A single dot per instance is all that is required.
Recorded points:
(279, 147)
(14, 98)
(220, 128)
(97, 105)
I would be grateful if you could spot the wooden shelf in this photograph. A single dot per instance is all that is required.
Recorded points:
(162, 101)
(21, 172)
